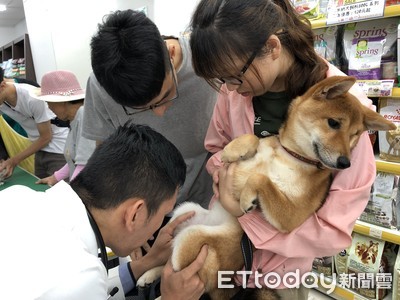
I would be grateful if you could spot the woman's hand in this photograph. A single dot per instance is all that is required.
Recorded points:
(225, 187)
(51, 180)
(215, 177)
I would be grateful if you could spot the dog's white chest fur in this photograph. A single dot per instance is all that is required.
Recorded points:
(272, 161)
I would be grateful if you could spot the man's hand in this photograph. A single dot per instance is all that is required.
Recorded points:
(7, 165)
(162, 247)
(184, 284)
(161, 250)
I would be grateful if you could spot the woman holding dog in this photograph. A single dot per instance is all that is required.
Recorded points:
(261, 53)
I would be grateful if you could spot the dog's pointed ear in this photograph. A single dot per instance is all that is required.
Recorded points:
(375, 121)
(334, 86)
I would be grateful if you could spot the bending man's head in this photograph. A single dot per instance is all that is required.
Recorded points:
(129, 58)
(134, 162)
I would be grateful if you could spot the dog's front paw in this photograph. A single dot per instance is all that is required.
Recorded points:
(248, 200)
(241, 148)
(230, 155)
(149, 277)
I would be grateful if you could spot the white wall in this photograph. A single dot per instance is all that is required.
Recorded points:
(60, 31)
(167, 18)
(8, 34)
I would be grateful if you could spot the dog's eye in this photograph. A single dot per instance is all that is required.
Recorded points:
(333, 124)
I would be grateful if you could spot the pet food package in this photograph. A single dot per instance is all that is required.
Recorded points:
(371, 49)
(365, 58)
(307, 8)
(389, 141)
(324, 265)
(325, 43)
(381, 209)
(365, 262)
(341, 262)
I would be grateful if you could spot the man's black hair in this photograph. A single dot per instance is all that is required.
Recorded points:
(134, 162)
(129, 58)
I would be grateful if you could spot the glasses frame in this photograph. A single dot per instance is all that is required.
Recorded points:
(159, 103)
(235, 80)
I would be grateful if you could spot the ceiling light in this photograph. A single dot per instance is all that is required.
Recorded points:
(3, 7)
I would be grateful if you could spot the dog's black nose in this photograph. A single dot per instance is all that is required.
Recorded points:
(343, 162)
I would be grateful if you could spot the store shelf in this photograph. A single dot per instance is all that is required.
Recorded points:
(390, 11)
(376, 231)
(396, 92)
(387, 166)
(341, 293)
(18, 49)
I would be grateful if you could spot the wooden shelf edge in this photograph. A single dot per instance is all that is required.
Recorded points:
(387, 166)
(386, 234)
(392, 11)
(395, 92)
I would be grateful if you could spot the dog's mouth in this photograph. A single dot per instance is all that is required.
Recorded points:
(325, 158)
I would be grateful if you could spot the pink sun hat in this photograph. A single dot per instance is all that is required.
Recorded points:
(58, 86)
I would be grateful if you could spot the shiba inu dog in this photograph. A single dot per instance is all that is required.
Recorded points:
(287, 177)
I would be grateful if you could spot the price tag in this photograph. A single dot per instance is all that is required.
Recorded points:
(375, 232)
(345, 11)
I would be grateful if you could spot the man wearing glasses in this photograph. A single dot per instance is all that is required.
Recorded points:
(140, 76)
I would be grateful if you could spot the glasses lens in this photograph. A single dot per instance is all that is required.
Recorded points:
(132, 111)
(232, 80)
(219, 80)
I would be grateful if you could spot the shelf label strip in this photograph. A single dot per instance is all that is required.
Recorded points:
(375, 232)
(345, 11)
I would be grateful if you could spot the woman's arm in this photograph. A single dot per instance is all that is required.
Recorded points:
(328, 231)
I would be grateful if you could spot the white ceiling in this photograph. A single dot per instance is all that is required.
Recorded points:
(14, 13)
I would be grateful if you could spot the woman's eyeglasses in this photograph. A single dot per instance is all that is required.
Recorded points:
(236, 80)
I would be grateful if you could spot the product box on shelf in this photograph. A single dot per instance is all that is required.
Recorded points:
(365, 262)
(366, 267)
(389, 141)
(371, 48)
(341, 261)
(324, 265)
(307, 8)
(325, 43)
(382, 207)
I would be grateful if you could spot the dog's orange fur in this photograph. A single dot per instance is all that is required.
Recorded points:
(322, 125)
